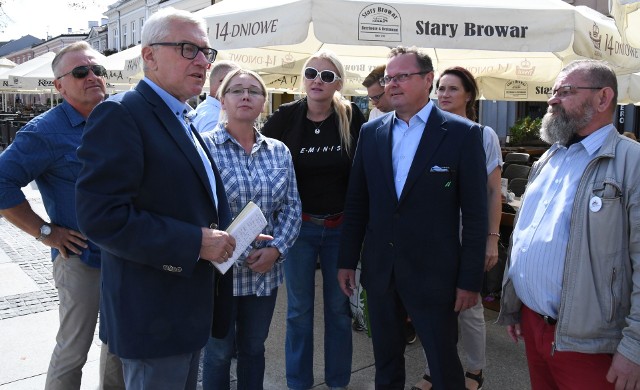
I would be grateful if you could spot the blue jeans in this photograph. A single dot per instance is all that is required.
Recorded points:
(252, 317)
(300, 267)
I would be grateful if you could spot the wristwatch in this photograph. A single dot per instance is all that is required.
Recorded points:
(45, 232)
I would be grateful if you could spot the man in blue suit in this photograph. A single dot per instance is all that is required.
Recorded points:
(149, 194)
(414, 172)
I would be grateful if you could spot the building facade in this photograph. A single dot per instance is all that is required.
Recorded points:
(126, 18)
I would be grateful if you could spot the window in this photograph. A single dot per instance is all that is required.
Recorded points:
(133, 33)
(124, 35)
(116, 39)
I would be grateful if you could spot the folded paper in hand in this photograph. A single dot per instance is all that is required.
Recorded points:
(244, 228)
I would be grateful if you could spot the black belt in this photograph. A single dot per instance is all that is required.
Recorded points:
(549, 320)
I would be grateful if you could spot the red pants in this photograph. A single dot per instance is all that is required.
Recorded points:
(562, 370)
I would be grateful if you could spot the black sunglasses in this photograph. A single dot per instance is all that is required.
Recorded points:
(80, 72)
(327, 76)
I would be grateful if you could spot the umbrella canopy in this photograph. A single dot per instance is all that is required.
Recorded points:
(626, 14)
(9, 78)
(123, 65)
(516, 40)
(39, 74)
(6, 63)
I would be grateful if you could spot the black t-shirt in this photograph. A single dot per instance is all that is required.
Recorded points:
(322, 168)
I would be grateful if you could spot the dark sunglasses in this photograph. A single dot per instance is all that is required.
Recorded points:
(327, 76)
(80, 72)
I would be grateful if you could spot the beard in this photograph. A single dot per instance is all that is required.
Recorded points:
(559, 126)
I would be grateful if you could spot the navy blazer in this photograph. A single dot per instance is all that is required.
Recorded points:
(143, 196)
(416, 238)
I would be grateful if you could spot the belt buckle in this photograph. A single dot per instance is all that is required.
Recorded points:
(316, 221)
(549, 320)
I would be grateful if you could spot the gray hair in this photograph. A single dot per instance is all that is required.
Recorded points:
(75, 46)
(155, 29)
(599, 73)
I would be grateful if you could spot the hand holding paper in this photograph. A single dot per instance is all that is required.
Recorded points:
(244, 228)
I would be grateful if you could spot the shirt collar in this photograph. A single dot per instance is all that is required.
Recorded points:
(75, 118)
(592, 142)
(221, 135)
(595, 140)
(422, 115)
(175, 105)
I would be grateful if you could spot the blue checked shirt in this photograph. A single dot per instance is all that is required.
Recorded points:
(266, 177)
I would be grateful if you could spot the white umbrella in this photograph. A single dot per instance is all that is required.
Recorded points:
(626, 14)
(6, 63)
(514, 90)
(8, 78)
(515, 40)
(124, 65)
(629, 88)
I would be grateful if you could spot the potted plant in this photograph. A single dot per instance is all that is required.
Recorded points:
(525, 131)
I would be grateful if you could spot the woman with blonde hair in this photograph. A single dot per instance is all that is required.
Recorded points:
(321, 130)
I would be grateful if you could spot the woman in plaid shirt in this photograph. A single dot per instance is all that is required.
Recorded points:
(259, 169)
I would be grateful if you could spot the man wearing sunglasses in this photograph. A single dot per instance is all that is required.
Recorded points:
(413, 173)
(375, 93)
(152, 199)
(45, 151)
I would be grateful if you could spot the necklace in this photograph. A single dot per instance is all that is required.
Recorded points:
(317, 126)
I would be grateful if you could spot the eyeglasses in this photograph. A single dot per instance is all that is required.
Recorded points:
(399, 78)
(376, 98)
(190, 51)
(327, 76)
(567, 90)
(239, 91)
(80, 72)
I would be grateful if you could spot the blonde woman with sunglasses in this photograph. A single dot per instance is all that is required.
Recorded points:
(321, 130)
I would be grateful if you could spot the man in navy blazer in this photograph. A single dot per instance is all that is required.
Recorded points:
(147, 194)
(415, 172)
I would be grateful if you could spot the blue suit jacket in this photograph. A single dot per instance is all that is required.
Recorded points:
(143, 196)
(413, 243)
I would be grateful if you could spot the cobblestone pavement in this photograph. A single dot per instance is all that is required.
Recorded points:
(25, 355)
(34, 259)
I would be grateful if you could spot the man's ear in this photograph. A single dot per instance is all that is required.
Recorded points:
(429, 77)
(149, 58)
(58, 84)
(604, 99)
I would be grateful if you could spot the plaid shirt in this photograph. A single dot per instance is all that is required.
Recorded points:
(266, 177)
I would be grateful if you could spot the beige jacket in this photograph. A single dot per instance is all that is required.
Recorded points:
(600, 301)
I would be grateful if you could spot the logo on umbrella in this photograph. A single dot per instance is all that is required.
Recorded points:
(595, 36)
(379, 22)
